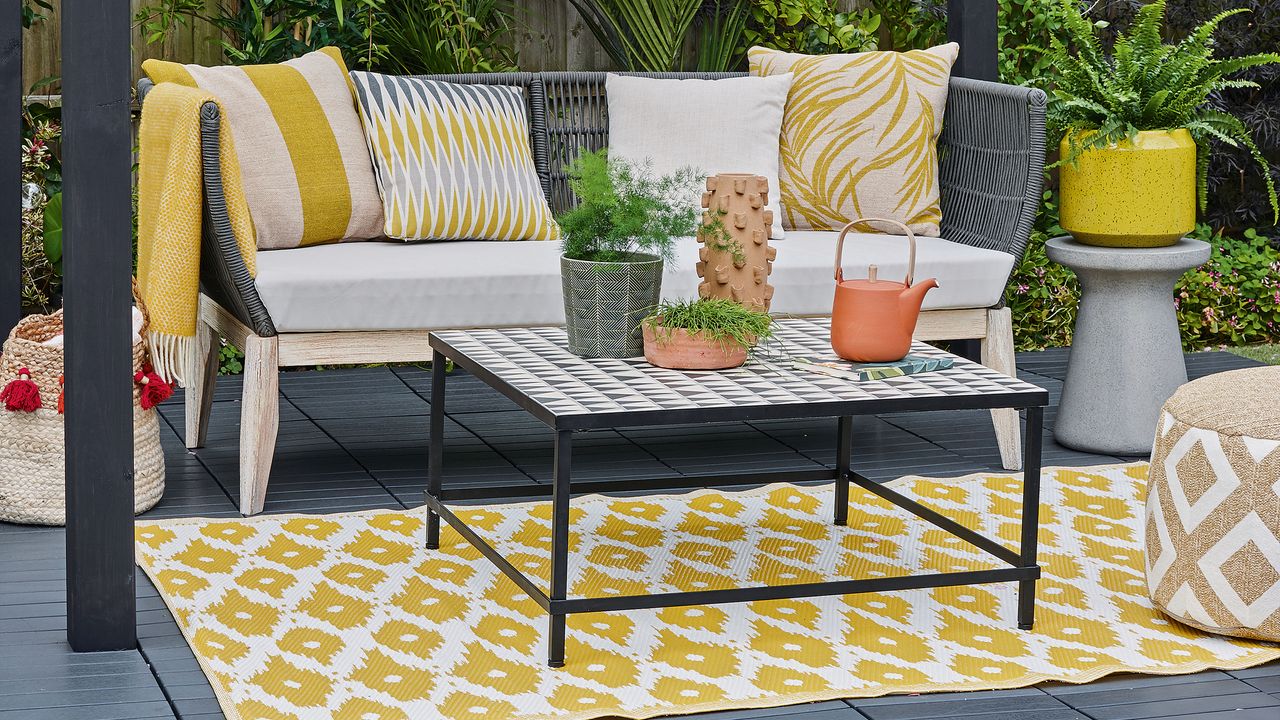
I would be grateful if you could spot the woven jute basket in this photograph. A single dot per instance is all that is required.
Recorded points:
(32, 450)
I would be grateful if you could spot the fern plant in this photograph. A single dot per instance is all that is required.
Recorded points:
(623, 210)
(1098, 100)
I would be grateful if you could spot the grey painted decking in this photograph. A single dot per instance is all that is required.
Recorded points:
(355, 439)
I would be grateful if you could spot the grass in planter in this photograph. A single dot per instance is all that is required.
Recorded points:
(715, 319)
(623, 210)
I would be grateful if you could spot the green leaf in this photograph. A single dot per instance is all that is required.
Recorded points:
(53, 228)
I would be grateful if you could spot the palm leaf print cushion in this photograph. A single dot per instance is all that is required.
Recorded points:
(859, 135)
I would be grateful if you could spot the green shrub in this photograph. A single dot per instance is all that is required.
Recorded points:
(445, 36)
(41, 207)
(1042, 295)
(810, 26)
(1234, 299)
(230, 359)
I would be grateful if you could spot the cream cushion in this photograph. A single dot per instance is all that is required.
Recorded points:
(731, 125)
(860, 135)
(395, 286)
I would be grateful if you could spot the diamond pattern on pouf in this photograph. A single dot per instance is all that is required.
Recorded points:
(1213, 511)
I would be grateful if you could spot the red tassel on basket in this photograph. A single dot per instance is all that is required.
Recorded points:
(62, 393)
(21, 394)
(154, 390)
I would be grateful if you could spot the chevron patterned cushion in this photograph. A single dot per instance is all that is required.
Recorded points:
(1213, 505)
(452, 161)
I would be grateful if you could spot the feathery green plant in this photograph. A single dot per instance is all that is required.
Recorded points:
(715, 319)
(445, 36)
(1098, 100)
(622, 209)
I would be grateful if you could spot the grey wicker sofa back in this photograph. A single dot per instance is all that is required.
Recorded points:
(991, 165)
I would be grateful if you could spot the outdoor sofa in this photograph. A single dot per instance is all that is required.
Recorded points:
(371, 302)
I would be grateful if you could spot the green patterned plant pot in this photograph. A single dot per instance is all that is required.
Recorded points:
(604, 303)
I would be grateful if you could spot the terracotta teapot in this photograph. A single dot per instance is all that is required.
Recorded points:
(872, 320)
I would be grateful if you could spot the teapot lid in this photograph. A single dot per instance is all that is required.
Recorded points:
(872, 283)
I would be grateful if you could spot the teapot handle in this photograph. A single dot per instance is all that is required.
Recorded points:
(911, 244)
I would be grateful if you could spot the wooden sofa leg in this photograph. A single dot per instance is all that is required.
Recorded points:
(259, 420)
(997, 354)
(199, 391)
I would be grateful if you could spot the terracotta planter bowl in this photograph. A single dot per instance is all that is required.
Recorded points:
(681, 351)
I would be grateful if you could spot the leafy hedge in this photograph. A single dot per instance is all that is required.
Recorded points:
(1234, 299)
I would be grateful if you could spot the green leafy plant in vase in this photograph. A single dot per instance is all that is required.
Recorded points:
(703, 334)
(615, 243)
(1137, 126)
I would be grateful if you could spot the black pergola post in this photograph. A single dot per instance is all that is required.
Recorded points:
(975, 25)
(97, 156)
(11, 170)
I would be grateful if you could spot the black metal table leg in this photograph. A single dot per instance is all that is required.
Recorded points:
(1030, 514)
(559, 543)
(844, 453)
(435, 461)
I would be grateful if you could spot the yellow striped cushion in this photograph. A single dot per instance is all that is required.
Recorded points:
(859, 135)
(453, 161)
(306, 172)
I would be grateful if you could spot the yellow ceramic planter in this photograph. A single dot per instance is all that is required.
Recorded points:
(1139, 193)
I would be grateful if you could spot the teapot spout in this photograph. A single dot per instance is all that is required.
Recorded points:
(913, 296)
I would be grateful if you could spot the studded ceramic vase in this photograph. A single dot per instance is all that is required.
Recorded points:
(604, 303)
(1136, 193)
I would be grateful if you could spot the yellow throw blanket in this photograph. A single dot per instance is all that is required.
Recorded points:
(170, 213)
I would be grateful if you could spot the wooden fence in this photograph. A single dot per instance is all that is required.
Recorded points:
(551, 36)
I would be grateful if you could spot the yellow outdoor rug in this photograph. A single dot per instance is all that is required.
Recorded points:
(348, 616)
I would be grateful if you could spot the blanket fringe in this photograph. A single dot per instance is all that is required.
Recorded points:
(173, 357)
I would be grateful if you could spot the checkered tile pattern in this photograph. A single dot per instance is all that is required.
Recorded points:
(537, 363)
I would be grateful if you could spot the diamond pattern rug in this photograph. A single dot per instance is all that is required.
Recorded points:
(349, 616)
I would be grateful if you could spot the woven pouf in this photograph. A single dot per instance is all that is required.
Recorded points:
(1213, 505)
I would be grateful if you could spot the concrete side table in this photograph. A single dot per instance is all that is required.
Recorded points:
(1126, 353)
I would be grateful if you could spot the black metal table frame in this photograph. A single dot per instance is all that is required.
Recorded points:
(1022, 563)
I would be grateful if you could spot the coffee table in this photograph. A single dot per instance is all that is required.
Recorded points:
(534, 368)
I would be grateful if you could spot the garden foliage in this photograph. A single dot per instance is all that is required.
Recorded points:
(41, 207)
(395, 36)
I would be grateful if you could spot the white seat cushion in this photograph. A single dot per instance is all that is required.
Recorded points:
(397, 286)
(803, 276)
